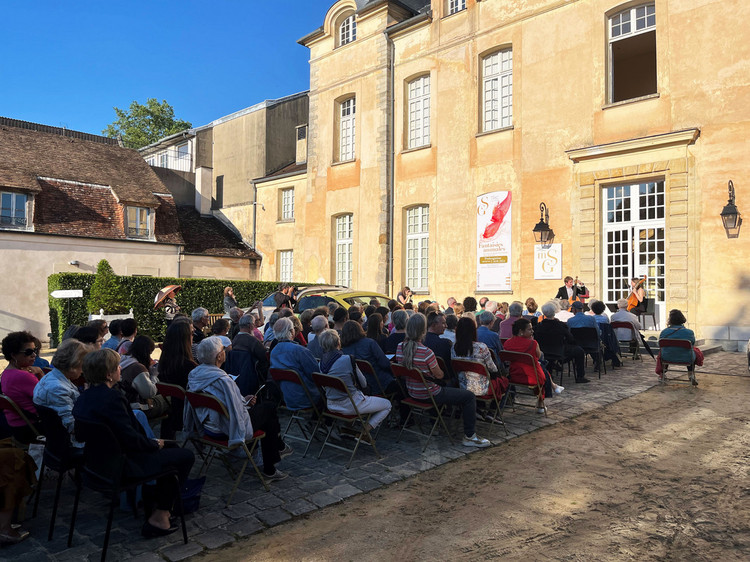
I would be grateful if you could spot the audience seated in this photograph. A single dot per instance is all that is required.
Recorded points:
(248, 358)
(451, 321)
(553, 328)
(103, 404)
(239, 426)
(485, 335)
(138, 382)
(676, 330)
(175, 364)
(515, 311)
(129, 329)
(114, 335)
(412, 354)
(440, 346)
(374, 329)
(337, 364)
(200, 322)
(563, 314)
(90, 335)
(220, 329)
(234, 317)
(17, 480)
(18, 381)
(522, 341)
(354, 342)
(287, 354)
(531, 308)
(318, 324)
(56, 389)
(400, 318)
(622, 315)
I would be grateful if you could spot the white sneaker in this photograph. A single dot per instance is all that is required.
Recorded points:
(559, 389)
(475, 441)
(277, 475)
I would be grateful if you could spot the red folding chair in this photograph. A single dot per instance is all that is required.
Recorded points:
(489, 400)
(355, 419)
(537, 390)
(205, 400)
(297, 415)
(688, 361)
(419, 407)
(632, 345)
(369, 371)
(8, 405)
(175, 392)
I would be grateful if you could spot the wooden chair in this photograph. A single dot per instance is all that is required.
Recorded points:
(361, 420)
(588, 339)
(419, 407)
(632, 345)
(297, 415)
(213, 444)
(689, 361)
(537, 390)
(489, 400)
(102, 472)
(8, 405)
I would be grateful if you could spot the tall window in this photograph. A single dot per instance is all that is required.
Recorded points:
(456, 6)
(417, 247)
(287, 204)
(13, 212)
(419, 112)
(632, 53)
(139, 222)
(344, 239)
(347, 110)
(497, 88)
(286, 265)
(347, 30)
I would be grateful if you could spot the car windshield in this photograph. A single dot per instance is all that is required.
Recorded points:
(364, 300)
(312, 301)
(269, 300)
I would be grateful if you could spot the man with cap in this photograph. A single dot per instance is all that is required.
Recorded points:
(581, 320)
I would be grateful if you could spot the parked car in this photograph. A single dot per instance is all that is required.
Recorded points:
(321, 295)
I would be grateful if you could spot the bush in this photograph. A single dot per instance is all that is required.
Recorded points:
(107, 293)
(208, 293)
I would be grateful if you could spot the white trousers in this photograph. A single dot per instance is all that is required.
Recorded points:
(379, 407)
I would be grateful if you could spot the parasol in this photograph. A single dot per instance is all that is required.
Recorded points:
(162, 295)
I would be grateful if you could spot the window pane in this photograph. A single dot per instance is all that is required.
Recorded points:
(498, 90)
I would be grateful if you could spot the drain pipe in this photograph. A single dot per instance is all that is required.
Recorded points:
(390, 175)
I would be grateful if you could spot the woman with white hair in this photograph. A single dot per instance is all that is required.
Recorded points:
(336, 364)
(244, 412)
(287, 354)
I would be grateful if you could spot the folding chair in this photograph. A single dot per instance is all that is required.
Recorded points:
(535, 389)
(327, 381)
(175, 392)
(205, 400)
(102, 471)
(297, 414)
(554, 352)
(369, 372)
(650, 311)
(59, 456)
(491, 398)
(633, 344)
(421, 408)
(19, 440)
(688, 362)
(588, 339)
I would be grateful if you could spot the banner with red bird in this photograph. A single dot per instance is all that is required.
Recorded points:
(494, 238)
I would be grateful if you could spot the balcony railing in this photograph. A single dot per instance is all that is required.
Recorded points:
(173, 159)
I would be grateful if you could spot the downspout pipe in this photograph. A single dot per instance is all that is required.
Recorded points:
(391, 157)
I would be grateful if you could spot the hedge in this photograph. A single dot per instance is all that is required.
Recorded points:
(208, 293)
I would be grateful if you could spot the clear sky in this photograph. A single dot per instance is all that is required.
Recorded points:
(68, 63)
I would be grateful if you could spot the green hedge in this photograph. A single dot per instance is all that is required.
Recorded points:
(208, 293)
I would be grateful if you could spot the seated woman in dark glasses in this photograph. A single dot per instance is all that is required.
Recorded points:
(18, 381)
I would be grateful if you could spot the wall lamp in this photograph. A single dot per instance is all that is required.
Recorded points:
(730, 215)
(543, 234)
(74, 262)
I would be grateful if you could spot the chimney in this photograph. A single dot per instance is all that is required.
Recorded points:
(301, 144)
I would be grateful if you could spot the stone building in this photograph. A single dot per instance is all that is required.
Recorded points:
(627, 119)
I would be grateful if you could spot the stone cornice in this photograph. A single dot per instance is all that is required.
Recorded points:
(685, 137)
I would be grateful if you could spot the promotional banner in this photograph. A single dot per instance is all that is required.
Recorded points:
(493, 241)
(548, 261)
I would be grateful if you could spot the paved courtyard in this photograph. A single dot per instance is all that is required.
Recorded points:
(313, 483)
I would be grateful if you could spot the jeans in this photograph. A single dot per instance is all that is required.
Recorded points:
(463, 398)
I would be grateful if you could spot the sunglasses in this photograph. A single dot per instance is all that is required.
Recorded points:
(29, 352)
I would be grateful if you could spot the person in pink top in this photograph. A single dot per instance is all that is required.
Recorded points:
(18, 381)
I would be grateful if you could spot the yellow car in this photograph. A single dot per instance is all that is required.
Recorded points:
(321, 295)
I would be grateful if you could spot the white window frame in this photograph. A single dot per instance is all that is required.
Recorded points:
(344, 233)
(12, 219)
(418, 248)
(347, 129)
(286, 266)
(142, 218)
(287, 204)
(623, 25)
(419, 111)
(347, 30)
(455, 6)
(497, 90)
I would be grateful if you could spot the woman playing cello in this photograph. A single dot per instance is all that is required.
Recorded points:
(637, 297)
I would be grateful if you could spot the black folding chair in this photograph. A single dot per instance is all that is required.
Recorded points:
(102, 471)
(59, 456)
(553, 348)
(588, 339)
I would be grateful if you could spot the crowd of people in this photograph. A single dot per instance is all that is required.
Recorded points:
(105, 373)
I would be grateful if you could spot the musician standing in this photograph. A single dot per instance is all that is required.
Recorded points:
(637, 296)
(571, 290)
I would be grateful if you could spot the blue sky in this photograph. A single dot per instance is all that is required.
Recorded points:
(67, 64)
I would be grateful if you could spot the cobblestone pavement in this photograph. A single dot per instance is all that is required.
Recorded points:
(313, 483)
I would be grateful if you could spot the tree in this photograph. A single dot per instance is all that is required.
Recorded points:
(106, 292)
(142, 125)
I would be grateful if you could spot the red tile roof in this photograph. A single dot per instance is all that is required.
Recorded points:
(209, 236)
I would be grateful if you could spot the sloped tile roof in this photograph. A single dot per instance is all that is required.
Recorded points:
(210, 237)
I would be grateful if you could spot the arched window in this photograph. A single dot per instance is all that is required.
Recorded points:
(347, 30)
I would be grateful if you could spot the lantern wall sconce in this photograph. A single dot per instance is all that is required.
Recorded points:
(543, 234)
(730, 215)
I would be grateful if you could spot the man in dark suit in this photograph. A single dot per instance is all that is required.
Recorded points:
(441, 347)
(552, 328)
(571, 290)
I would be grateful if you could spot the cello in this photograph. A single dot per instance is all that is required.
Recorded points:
(633, 300)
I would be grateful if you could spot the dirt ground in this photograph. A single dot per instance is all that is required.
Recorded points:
(661, 476)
